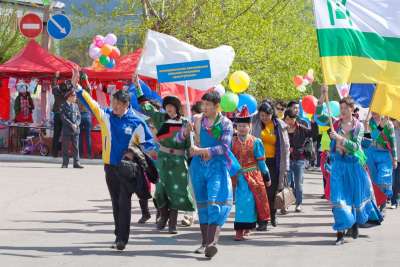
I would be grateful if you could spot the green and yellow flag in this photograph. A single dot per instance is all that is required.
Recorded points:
(359, 40)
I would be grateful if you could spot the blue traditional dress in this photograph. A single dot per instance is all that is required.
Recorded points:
(380, 155)
(351, 188)
(211, 179)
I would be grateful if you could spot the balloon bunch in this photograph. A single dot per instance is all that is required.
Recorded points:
(234, 100)
(104, 52)
(301, 82)
(309, 107)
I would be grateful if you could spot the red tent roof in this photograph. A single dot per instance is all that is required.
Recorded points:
(35, 62)
(123, 70)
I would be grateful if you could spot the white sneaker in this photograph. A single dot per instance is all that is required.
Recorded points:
(298, 208)
(393, 207)
(200, 250)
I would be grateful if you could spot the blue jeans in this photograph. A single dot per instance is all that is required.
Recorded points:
(296, 179)
(86, 129)
(396, 185)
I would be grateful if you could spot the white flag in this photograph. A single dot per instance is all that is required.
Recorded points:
(160, 49)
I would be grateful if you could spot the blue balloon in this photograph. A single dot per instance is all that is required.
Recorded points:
(111, 64)
(335, 108)
(249, 101)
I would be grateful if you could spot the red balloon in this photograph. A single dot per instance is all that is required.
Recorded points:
(115, 53)
(309, 104)
(297, 80)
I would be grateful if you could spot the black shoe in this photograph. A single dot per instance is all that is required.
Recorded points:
(273, 221)
(144, 207)
(64, 166)
(78, 166)
(144, 219)
(211, 251)
(121, 245)
(172, 222)
(162, 222)
(354, 231)
(262, 226)
(340, 238)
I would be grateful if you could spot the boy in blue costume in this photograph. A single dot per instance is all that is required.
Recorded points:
(210, 170)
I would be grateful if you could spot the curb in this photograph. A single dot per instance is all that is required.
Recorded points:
(40, 159)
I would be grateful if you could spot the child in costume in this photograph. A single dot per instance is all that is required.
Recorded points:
(251, 195)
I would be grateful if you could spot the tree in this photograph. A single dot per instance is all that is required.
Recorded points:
(274, 40)
(11, 41)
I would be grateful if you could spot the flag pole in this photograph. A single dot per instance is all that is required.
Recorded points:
(188, 111)
(323, 74)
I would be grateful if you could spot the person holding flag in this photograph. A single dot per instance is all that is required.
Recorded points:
(382, 153)
(212, 165)
(351, 194)
(172, 191)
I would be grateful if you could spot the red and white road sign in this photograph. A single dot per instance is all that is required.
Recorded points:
(31, 25)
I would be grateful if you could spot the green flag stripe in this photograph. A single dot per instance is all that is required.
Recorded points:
(348, 42)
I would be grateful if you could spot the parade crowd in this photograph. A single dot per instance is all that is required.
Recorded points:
(255, 162)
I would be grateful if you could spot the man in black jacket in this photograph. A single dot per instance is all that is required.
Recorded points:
(71, 119)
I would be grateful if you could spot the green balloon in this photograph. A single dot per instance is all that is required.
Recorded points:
(229, 102)
(104, 60)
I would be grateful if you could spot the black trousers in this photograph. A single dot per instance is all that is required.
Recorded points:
(121, 204)
(271, 191)
(74, 141)
(57, 134)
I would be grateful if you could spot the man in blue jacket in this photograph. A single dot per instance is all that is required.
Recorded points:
(119, 128)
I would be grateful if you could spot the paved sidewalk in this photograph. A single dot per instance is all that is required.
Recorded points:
(62, 217)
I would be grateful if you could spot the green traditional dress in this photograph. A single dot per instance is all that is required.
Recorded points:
(173, 189)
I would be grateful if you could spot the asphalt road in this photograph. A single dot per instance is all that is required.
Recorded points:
(62, 217)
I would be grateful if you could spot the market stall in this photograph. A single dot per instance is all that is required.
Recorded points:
(25, 95)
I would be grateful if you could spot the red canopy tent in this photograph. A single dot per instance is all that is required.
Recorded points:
(35, 62)
(31, 62)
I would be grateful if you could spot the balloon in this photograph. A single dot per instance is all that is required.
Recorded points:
(308, 116)
(298, 80)
(98, 41)
(220, 89)
(310, 76)
(301, 88)
(335, 108)
(115, 53)
(309, 104)
(111, 64)
(229, 102)
(104, 60)
(305, 82)
(249, 101)
(239, 81)
(110, 39)
(94, 52)
(106, 50)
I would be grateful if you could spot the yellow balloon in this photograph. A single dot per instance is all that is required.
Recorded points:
(309, 116)
(239, 82)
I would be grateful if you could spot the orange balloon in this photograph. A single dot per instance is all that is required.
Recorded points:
(297, 80)
(106, 49)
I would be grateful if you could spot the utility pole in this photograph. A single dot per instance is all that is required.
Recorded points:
(46, 41)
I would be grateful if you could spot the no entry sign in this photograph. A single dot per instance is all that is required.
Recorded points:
(31, 25)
